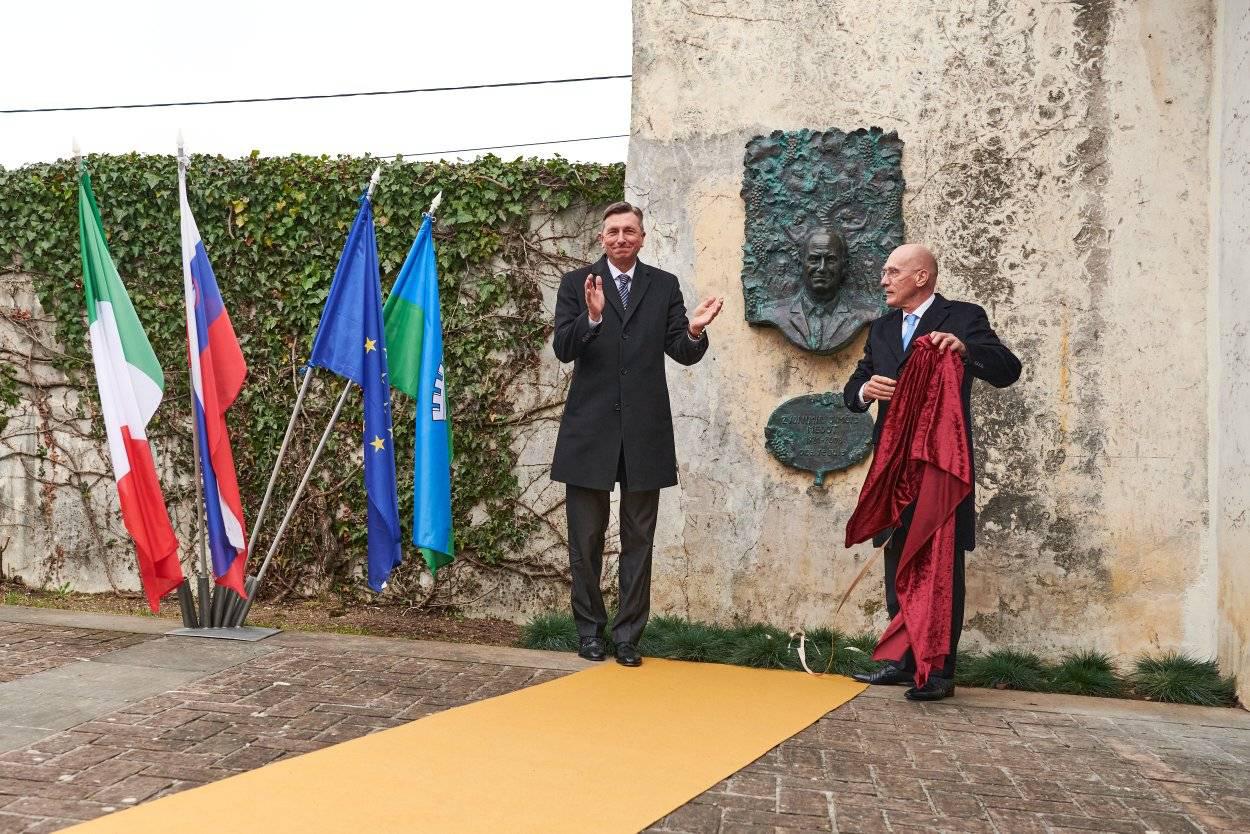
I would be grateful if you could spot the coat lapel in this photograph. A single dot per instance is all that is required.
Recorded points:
(798, 320)
(642, 280)
(610, 291)
(929, 322)
(893, 327)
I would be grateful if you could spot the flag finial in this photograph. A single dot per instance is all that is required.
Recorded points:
(438, 198)
(373, 181)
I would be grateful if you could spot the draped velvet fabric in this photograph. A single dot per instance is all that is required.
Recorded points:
(922, 457)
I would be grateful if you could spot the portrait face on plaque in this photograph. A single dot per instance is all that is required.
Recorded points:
(824, 209)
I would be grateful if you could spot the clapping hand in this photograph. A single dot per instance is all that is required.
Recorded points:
(703, 315)
(594, 297)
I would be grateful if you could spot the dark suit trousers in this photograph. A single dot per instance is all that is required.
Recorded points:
(893, 551)
(587, 511)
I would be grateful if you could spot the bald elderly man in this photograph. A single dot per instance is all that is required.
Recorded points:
(910, 280)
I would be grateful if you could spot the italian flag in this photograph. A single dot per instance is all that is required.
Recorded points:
(131, 385)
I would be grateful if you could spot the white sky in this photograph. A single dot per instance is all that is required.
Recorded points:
(59, 53)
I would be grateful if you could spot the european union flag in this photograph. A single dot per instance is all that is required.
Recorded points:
(351, 341)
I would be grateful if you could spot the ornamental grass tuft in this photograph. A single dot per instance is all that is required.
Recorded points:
(1002, 669)
(554, 631)
(1178, 678)
(1086, 673)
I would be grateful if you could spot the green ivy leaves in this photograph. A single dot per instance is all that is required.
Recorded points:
(274, 228)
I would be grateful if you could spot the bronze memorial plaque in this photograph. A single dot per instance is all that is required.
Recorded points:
(817, 432)
(823, 210)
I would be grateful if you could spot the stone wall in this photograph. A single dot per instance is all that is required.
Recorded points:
(1057, 159)
(1230, 405)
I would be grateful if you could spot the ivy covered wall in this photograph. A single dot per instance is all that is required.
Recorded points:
(274, 229)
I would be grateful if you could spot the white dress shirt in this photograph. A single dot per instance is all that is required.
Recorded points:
(919, 314)
(616, 276)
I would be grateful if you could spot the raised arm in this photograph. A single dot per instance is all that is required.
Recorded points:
(573, 330)
(678, 343)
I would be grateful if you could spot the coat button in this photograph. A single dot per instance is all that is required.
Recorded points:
(616, 407)
(624, 371)
(624, 335)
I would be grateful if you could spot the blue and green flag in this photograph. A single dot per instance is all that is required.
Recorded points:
(414, 337)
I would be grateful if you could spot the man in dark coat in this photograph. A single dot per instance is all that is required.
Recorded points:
(616, 320)
(909, 280)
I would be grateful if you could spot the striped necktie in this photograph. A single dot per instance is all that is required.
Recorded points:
(622, 284)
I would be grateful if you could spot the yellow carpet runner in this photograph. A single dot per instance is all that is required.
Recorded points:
(608, 749)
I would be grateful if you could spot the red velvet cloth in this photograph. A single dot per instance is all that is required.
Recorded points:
(922, 457)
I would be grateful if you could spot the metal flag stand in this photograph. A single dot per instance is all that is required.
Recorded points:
(210, 621)
(237, 613)
(229, 622)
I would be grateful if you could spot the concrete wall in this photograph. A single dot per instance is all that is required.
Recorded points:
(1231, 337)
(1057, 159)
(60, 522)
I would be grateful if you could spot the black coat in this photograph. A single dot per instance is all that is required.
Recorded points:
(619, 397)
(988, 359)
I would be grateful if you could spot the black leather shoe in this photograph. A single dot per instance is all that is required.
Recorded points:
(591, 648)
(934, 689)
(627, 655)
(887, 675)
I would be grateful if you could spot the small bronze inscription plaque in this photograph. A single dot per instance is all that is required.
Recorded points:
(817, 432)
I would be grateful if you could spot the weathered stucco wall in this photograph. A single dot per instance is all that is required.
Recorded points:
(1231, 342)
(60, 522)
(1057, 160)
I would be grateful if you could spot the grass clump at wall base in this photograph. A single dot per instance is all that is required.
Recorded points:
(1086, 673)
(757, 646)
(850, 654)
(553, 632)
(680, 639)
(1171, 677)
(1002, 669)
(1180, 679)
(760, 647)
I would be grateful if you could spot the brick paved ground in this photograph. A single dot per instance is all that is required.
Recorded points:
(26, 649)
(988, 761)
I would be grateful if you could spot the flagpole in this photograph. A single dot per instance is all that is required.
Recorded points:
(237, 613)
(237, 604)
(290, 510)
(186, 602)
(197, 525)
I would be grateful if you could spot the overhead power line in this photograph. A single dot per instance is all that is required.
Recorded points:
(516, 145)
(496, 85)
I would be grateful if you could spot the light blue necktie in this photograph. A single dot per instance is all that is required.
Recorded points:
(622, 285)
(909, 327)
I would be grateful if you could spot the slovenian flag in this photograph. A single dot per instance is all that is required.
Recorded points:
(131, 385)
(217, 373)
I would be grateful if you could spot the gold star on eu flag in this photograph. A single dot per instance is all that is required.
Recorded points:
(377, 443)
(370, 344)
